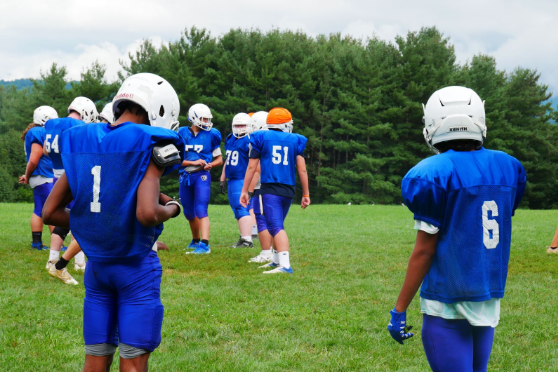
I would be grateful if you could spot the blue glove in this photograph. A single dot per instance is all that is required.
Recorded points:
(397, 326)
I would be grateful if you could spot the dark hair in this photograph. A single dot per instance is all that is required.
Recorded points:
(29, 127)
(458, 145)
(131, 107)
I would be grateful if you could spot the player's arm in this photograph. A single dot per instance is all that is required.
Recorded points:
(217, 161)
(199, 162)
(253, 164)
(419, 264)
(222, 181)
(255, 179)
(34, 157)
(149, 211)
(54, 210)
(303, 176)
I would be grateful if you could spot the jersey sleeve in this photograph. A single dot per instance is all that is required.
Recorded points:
(37, 136)
(301, 145)
(255, 147)
(425, 199)
(216, 139)
(521, 183)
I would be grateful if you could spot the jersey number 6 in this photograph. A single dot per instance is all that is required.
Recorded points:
(490, 227)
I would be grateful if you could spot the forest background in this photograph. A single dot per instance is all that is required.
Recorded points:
(358, 101)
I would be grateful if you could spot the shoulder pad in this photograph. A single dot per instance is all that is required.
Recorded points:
(166, 155)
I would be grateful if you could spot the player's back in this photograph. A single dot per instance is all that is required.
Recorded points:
(471, 196)
(237, 156)
(104, 166)
(54, 129)
(37, 135)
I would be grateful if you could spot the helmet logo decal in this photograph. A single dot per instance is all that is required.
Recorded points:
(458, 129)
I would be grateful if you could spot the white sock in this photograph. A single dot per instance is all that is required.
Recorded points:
(80, 258)
(247, 238)
(254, 230)
(54, 255)
(266, 253)
(274, 256)
(284, 259)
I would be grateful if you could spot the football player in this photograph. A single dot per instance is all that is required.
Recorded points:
(203, 152)
(81, 111)
(237, 148)
(113, 175)
(553, 248)
(38, 173)
(106, 116)
(278, 151)
(463, 200)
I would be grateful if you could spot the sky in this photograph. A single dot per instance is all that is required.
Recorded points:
(36, 33)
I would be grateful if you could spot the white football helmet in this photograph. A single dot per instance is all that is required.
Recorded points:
(43, 113)
(85, 108)
(454, 113)
(155, 95)
(107, 113)
(199, 111)
(241, 120)
(258, 121)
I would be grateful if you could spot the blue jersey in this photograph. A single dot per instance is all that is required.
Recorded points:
(471, 197)
(200, 145)
(237, 150)
(104, 165)
(37, 135)
(54, 129)
(277, 152)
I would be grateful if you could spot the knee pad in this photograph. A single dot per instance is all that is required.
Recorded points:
(130, 352)
(61, 232)
(100, 350)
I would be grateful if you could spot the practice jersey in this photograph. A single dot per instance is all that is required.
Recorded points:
(237, 150)
(104, 165)
(200, 145)
(37, 135)
(471, 197)
(277, 152)
(54, 129)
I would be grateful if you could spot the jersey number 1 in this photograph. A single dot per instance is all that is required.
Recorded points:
(489, 239)
(277, 155)
(95, 205)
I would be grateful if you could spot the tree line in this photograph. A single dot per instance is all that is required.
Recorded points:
(358, 101)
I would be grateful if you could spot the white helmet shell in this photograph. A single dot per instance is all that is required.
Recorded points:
(107, 113)
(454, 113)
(259, 121)
(199, 111)
(85, 108)
(43, 114)
(155, 95)
(243, 120)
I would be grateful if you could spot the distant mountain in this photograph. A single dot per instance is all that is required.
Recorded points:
(23, 83)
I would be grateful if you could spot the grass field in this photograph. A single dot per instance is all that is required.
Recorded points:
(222, 314)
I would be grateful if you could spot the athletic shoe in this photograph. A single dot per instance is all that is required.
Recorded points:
(261, 258)
(255, 236)
(551, 250)
(39, 246)
(202, 249)
(193, 245)
(50, 264)
(279, 270)
(63, 275)
(241, 243)
(270, 265)
(78, 267)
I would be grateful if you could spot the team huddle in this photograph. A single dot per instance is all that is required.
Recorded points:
(462, 266)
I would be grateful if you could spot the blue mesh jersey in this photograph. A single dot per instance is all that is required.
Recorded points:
(54, 128)
(237, 150)
(200, 146)
(105, 165)
(471, 197)
(277, 152)
(37, 135)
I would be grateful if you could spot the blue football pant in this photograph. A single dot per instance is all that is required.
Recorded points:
(260, 218)
(275, 209)
(455, 345)
(194, 192)
(123, 303)
(40, 195)
(234, 190)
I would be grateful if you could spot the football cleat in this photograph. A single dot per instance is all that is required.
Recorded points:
(261, 258)
(201, 249)
(551, 250)
(78, 267)
(241, 243)
(193, 245)
(50, 264)
(269, 265)
(279, 270)
(255, 236)
(39, 246)
(63, 275)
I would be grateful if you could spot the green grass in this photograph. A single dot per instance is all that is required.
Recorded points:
(222, 314)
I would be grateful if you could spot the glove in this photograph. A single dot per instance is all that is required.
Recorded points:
(223, 186)
(397, 326)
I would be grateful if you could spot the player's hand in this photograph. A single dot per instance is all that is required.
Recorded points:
(305, 202)
(397, 326)
(223, 186)
(208, 166)
(199, 162)
(244, 199)
(23, 180)
(162, 246)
